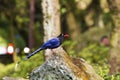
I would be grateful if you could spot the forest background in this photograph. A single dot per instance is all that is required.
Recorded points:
(93, 26)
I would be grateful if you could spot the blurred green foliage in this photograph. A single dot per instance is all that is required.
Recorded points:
(103, 71)
(95, 53)
(29, 65)
(3, 41)
(23, 69)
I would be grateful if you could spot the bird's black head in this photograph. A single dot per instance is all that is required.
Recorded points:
(62, 37)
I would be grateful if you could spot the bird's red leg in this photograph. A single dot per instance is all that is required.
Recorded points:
(51, 50)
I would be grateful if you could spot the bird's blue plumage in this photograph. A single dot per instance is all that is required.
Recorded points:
(51, 44)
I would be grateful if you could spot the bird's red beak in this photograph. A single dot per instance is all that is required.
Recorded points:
(66, 35)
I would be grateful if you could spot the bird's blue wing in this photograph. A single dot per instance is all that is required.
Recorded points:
(50, 44)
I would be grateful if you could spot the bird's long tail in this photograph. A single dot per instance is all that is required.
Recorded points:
(33, 53)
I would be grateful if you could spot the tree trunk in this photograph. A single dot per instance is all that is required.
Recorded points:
(12, 36)
(114, 59)
(51, 21)
(73, 26)
(73, 29)
(31, 27)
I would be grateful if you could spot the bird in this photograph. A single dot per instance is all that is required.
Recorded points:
(50, 44)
